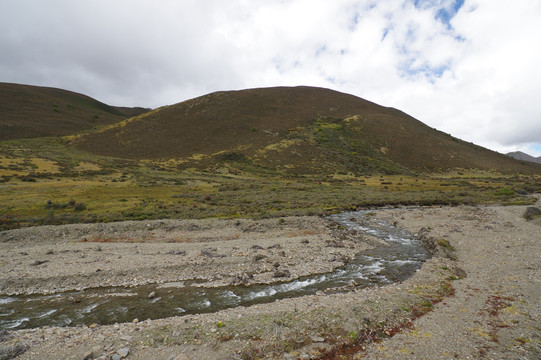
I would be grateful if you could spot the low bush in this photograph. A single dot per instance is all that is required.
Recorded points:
(532, 212)
(504, 192)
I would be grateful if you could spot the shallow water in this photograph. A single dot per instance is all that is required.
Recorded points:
(378, 266)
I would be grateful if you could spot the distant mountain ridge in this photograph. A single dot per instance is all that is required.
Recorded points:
(519, 155)
(28, 111)
(297, 130)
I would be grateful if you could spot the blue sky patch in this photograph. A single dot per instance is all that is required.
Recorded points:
(445, 15)
(428, 71)
(354, 22)
(444, 12)
(534, 150)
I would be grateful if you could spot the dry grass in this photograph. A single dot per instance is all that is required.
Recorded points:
(145, 192)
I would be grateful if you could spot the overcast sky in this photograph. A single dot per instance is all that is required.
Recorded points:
(471, 68)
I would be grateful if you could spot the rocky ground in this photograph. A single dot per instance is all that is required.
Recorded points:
(495, 312)
(51, 259)
(479, 298)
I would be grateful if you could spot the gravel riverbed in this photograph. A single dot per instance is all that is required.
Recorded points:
(493, 312)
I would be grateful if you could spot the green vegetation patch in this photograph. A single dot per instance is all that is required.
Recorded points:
(47, 181)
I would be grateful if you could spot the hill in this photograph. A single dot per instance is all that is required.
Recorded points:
(519, 155)
(32, 111)
(294, 130)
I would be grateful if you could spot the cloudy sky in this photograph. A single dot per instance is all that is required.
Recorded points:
(471, 68)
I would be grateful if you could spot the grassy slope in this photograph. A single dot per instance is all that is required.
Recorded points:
(299, 130)
(46, 182)
(32, 111)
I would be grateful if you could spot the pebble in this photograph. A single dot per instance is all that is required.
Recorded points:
(317, 339)
(123, 352)
(96, 350)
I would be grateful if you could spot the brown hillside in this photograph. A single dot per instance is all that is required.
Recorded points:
(33, 111)
(301, 129)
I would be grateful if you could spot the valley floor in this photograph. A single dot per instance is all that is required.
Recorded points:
(494, 312)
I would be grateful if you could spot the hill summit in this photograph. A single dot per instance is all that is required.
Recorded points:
(28, 111)
(290, 129)
(519, 155)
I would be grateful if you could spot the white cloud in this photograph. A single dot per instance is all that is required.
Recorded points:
(472, 72)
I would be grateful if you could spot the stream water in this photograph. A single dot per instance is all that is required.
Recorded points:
(377, 266)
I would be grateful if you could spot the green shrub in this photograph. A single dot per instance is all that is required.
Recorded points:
(504, 192)
(79, 206)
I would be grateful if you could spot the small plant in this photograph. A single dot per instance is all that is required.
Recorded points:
(79, 206)
(444, 243)
(504, 192)
(259, 257)
(428, 304)
(353, 335)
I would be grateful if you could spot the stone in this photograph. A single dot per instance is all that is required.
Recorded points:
(96, 350)
(152, 295)
(281, 273)
(124, 352)
(88, 355)
(317, 339)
